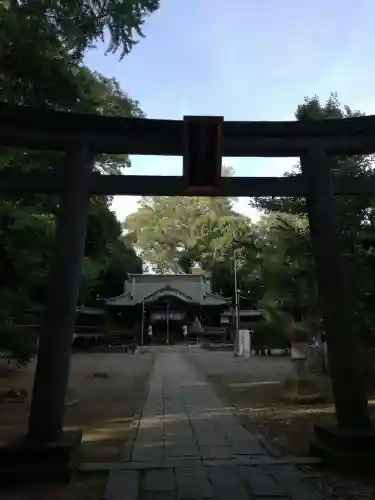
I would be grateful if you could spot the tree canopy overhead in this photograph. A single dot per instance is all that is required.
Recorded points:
(162, 226)
(76, 26)
(289, 276)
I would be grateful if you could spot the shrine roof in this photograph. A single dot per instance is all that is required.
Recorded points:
(189, 288)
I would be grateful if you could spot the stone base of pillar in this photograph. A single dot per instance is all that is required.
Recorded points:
(26, 461)
(350, 451)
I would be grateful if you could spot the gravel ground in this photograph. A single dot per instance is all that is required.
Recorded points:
(101, 405)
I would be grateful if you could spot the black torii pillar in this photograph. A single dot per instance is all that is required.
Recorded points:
(353, 437)
(46, 450)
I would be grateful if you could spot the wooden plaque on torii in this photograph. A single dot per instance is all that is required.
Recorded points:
(202, 154)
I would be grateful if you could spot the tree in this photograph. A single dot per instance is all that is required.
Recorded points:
(76, 26)
(42, 44)
(215, 242)
(183, 234)
(107, 258)
(34, 213)
(357, 227)
(47, 42)
(162, 226)
(286, 266)
(352, 209)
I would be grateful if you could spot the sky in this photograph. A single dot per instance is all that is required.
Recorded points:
(244, 60)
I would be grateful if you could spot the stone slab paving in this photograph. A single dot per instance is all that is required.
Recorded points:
(188, 445)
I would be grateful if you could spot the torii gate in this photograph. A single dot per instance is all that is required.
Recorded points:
(202, 141)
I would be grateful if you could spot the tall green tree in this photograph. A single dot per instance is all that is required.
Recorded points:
(34, 213)
(356, 221)
(185, 234)
(41, 50)
(108, 258)
(352, 209)
(218, 244)
(286, 266)
(162, 226)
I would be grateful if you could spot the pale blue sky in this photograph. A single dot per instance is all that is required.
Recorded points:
(244, 60)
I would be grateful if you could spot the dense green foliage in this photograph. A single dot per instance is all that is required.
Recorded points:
(42, 45)
(187, 234)
(162, 227)
(357, 228)
(75, 26)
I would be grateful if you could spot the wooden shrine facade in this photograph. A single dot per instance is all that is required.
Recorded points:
(167, 303)
(202, 142)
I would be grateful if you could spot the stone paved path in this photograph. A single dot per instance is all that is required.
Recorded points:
(188, 445)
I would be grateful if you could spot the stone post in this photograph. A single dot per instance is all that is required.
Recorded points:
(52, 372)
(246, 344)
(337, 308)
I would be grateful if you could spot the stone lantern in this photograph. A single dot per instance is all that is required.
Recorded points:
(302, 386)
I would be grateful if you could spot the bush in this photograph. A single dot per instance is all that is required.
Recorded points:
(18, 342)
(272, 334)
